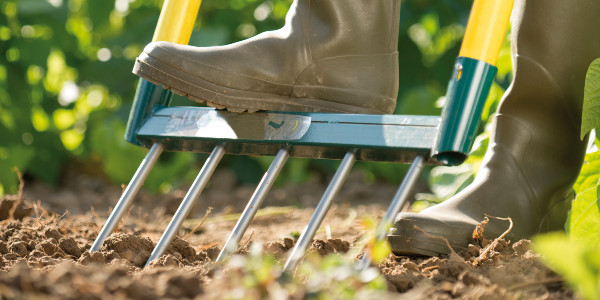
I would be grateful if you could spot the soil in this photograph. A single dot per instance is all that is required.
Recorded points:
(45, 235)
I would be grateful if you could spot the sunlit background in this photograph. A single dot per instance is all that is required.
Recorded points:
(66, 87)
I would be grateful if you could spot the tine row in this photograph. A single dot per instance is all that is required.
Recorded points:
(254, 203)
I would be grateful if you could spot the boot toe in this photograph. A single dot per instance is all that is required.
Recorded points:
(429, 235)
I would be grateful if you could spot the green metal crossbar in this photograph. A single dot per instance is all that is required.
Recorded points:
(393, 138)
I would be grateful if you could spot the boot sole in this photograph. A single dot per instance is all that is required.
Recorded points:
(411, 243)
(234, 100)
(415, 235)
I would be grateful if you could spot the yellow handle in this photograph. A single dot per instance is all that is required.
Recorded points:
(486, 29)
(176, 21)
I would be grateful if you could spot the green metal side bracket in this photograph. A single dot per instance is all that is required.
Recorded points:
(147, 96)
(467, 92)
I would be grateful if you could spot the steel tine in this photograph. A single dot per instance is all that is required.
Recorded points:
(254, 204)
(317, 218)
(397, 204)
(186, 205)
(125, 201)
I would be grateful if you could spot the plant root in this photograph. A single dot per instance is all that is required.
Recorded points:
(494, 243)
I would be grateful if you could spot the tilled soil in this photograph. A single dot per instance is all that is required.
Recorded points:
(44, 251)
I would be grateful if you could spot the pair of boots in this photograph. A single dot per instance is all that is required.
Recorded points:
(341, 56)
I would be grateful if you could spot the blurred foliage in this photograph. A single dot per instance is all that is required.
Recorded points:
(577, 256)
(258, 275)
(66, 84)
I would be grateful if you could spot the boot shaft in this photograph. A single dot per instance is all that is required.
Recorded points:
(539, 120)
(350, 27)
(561, 38)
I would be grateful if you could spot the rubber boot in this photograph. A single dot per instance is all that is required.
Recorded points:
(535, 153)
(331, 56)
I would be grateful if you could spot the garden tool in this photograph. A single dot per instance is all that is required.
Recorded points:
(535, 152)
(320, 135)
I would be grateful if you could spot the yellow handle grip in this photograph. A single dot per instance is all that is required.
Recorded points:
(486, 29)
(176, 21)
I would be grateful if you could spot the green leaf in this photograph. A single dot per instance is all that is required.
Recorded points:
(585, 217)
(590, 173)
(380, 250)
(591, 99)
(575, 261)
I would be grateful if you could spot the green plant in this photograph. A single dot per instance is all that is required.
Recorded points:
(329, 277)
(577, 256)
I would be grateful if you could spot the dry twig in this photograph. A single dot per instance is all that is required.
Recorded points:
(242, 246)
(96, 216)
(200, 224)
(13, 209)
(208, 246)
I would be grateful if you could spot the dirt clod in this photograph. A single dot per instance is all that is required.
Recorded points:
(13, 208)
(69, 245)
(330, 246)
(521, 247)
(182, 249)
(48, 246)
(52, 233)
(278, 248)
(134, 248)
(18, 248)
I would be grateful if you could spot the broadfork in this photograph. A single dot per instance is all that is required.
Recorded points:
(423, 139)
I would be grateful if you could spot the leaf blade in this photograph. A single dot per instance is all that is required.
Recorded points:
(591, 99)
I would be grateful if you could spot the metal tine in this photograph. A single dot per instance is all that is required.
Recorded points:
(397, 204)
(186, 205)
(125, 201)
(320, 212)
(254, 204)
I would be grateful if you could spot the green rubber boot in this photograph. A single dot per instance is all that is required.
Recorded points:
(331, 56)
(535, 153)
